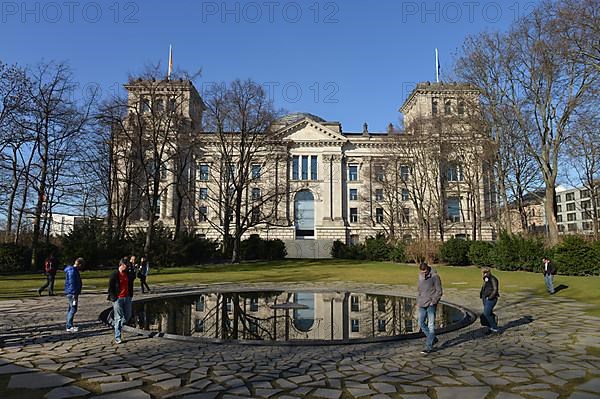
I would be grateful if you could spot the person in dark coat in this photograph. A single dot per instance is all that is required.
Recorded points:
(50, 269)
(429, 294)
(73, 287)
(489, 295)
(549, 273)
(120, 293)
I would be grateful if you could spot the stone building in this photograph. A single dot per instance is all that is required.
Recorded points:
(431, 179)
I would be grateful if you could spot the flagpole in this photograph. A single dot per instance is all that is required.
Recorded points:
(170, 62)
(437, 67)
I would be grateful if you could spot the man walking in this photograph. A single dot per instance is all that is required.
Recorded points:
(549, 272)
(120, 292)
(429, 294)
(489, 295)
(50, 269)
(72, 291)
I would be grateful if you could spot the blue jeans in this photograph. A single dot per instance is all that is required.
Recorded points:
(488, 309)
(73, 301)
(549, 280)
(121, 314)
(429, 328)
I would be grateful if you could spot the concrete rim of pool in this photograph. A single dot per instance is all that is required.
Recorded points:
(468, 317)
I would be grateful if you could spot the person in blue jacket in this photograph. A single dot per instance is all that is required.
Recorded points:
(72, 291)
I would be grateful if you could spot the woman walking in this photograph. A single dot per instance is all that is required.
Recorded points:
(143, 271)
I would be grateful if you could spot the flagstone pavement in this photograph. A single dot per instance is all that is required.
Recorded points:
(548, 349)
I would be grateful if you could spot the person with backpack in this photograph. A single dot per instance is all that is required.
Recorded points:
(489, 295)
(50, 269)
(73, 287)
(120, 293)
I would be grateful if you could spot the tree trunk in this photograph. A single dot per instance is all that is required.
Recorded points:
(550, 206)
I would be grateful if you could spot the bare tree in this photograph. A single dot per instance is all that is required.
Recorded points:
(547, 85)
(53, 117)
(246, 155)
(583, 154)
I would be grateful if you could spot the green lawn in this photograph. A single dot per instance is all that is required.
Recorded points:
(584, 289)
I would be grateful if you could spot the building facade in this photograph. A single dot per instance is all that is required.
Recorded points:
(316, 182)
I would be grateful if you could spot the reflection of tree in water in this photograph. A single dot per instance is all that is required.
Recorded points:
(256, 316)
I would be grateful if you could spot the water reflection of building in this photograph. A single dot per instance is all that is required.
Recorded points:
(287, 316)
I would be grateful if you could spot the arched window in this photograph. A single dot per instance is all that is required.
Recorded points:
(434, 107)
(304, 217)
(304, 318)
(461, 108)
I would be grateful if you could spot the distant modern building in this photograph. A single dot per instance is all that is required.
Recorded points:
(62, 224)
(574, 212)
(434, 179)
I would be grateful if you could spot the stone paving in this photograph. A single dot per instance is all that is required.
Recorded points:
(548, 349)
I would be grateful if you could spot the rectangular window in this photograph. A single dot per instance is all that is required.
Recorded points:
(379, 194)
(203, 193)
(584, 193)
(405, 215)
(434, 106)
(204, 172)
(255, 194)
(353, 194)
(571, 217)
(304, 167)
(353, 172)
(453, 209)
(199, 327)
(256, 215)
(454, 172)
(203, 213)
(163, 171)
(408, 325)
(405, 194)
(586, 215)
(353, 215)
(253, 327)
(586, 226)
(559, 208)
(256, 171)
(404, 172)
(254, 304)
(572, 227)
(157, 209)
(200, 304)
(571, 206)
(379, 215)
(313, 167)
(557, 198)
(354, 303)
(381, 304)
(570, 197)
(295, 167)
(354, 323)
(379, 173)
(586, 204)
(381, 325)
(559, 218)
(229, 304)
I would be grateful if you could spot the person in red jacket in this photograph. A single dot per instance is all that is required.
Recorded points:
(50, 269)
(120, 292)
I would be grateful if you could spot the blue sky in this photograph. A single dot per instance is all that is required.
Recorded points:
(351, 61)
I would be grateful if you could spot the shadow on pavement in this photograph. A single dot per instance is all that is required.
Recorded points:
(483, 332)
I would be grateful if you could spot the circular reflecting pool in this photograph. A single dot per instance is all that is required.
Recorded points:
(287, 317)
